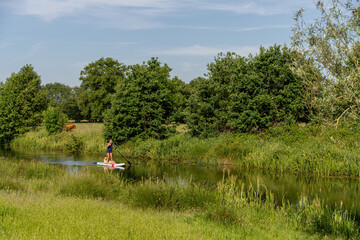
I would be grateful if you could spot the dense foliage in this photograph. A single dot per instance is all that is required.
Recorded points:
(57, 93)
(329, 62)
(143, 104)
(244, 95)
(65, 98)
(99, 79)
(54, 120)
(21, 104)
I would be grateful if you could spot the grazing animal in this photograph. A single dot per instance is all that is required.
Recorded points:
(70, 126)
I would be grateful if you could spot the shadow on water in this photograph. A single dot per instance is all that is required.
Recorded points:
(284, 186)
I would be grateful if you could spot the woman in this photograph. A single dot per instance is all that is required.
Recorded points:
(110, 146)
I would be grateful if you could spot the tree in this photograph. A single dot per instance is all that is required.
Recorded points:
(246, 94)
(329, 60)
(142, 104)
(57, 93)
(180, 92)
(21, 104)
(65, 99)
(99, 79)
(71, 106)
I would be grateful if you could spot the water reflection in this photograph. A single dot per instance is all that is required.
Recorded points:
(285, 186)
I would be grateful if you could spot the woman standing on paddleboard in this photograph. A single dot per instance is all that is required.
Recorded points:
(110, 146)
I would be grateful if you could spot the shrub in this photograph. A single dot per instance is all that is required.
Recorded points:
(54, 120)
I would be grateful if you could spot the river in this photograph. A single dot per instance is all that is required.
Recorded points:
(285, 186)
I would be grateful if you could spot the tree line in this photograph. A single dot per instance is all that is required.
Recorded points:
(315, 80)
(238, 94)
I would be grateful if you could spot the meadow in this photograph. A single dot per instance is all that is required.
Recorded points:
(42, 201)
(296, 148)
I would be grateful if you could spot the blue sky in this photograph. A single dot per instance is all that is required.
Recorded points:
(60, 37)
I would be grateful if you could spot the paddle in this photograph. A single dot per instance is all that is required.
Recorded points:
(123, 156)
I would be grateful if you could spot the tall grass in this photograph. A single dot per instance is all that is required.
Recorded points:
(35, 193)
(88, 133)
(296, 148)
(306, 149)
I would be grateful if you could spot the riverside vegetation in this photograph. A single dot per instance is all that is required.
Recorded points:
(38, 201)
(297, 148)
(263, 111)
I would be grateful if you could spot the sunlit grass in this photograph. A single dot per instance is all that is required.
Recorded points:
(41, 201)
(296, 148)
(89, 133)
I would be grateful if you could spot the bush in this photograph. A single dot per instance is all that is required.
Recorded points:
(54, 120)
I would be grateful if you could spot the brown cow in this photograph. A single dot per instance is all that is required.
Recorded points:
(70, 126)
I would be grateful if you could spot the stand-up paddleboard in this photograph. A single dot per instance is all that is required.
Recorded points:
(115, 165)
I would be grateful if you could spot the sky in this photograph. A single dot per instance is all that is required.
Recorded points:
(60, 37)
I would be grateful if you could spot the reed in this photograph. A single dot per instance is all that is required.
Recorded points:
(296, 148)
(34, 195)
(36, 192)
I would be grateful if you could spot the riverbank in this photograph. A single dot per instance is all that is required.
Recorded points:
(297, 148)
(39, 200)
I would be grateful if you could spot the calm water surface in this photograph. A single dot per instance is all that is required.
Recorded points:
(285, 186)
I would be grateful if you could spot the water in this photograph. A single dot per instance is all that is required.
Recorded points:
(285, 186)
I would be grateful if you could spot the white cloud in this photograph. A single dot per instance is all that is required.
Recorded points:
(259, 7)
(198, 50)
(234, 29)
(49, 10)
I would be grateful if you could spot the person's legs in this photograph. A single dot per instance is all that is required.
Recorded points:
(108, 157)
(111, 157)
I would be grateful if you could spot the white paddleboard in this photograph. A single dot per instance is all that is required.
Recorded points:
(115, 165)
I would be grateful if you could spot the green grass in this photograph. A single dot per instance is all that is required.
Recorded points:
(41, 201)
(89, 133)
(44, 216)
(296, 148)
(305, 149)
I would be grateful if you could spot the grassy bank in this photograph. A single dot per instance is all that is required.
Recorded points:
(89, 137)
(306, 149)
(41, 201)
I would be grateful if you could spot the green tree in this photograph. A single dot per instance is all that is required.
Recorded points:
(329, 60)
(180, 92)
(99, 79)
(210, 102)
(65, 98)
(21, 104)
(57, 93)
(143, 103)
(71, 106)
(245, 95)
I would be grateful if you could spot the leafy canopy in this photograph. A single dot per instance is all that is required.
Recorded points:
(245, 95)
(143, 103)
(21, 104)
(329, 60)
(99, 79)
(65, 98)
